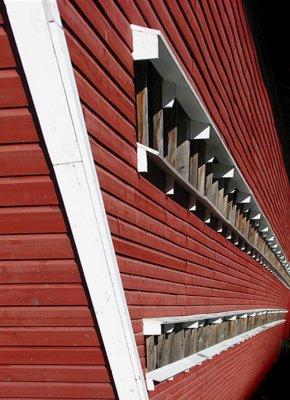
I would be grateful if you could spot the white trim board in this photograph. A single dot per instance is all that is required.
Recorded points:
(153, 326)
(43, 51)
(150, 44)
(171, 370)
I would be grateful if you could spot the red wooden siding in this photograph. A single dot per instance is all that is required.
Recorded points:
(172, 263)
(49, 345)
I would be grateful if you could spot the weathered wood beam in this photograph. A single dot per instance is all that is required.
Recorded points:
(170, 134)
(183, 143)
(141, 85)
(211, 185)
(156, 131)
(193, 163)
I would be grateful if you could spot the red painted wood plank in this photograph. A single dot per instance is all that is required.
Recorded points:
(243, 68)
(150, 299)
(137, 326)
(102, 133)
(42, 295)
(233, 116)
(99, 78)
(11, 90)
(6, 55)
(131, 215)
(24, 159)
(45, 316)
(144, 253)
(103, 109)
(106, 30)
(131, 282)
(26, 191)
(120, 20)
(42, 219)
(206, 239)
(52, 373)
(39, 271)
(246, 164)
(51, 355)
(16, 126)
(149, 240)
(201, 236)
(201, 273)
(133, 13)
(143, 269)
(98, 49)
(33, 247)
(161, 299)
(55, 337)
(53, 390)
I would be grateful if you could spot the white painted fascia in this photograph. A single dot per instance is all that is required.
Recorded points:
(153, 326)
(147, 46)
(44, 55)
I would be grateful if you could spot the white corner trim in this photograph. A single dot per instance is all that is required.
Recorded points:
(43, 51)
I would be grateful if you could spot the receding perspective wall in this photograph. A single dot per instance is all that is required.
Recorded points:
(171, 262)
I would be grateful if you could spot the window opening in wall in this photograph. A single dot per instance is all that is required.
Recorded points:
(183, 159)
(172, 346)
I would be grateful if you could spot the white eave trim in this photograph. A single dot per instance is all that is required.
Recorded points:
(153, 326)
(43, 51)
